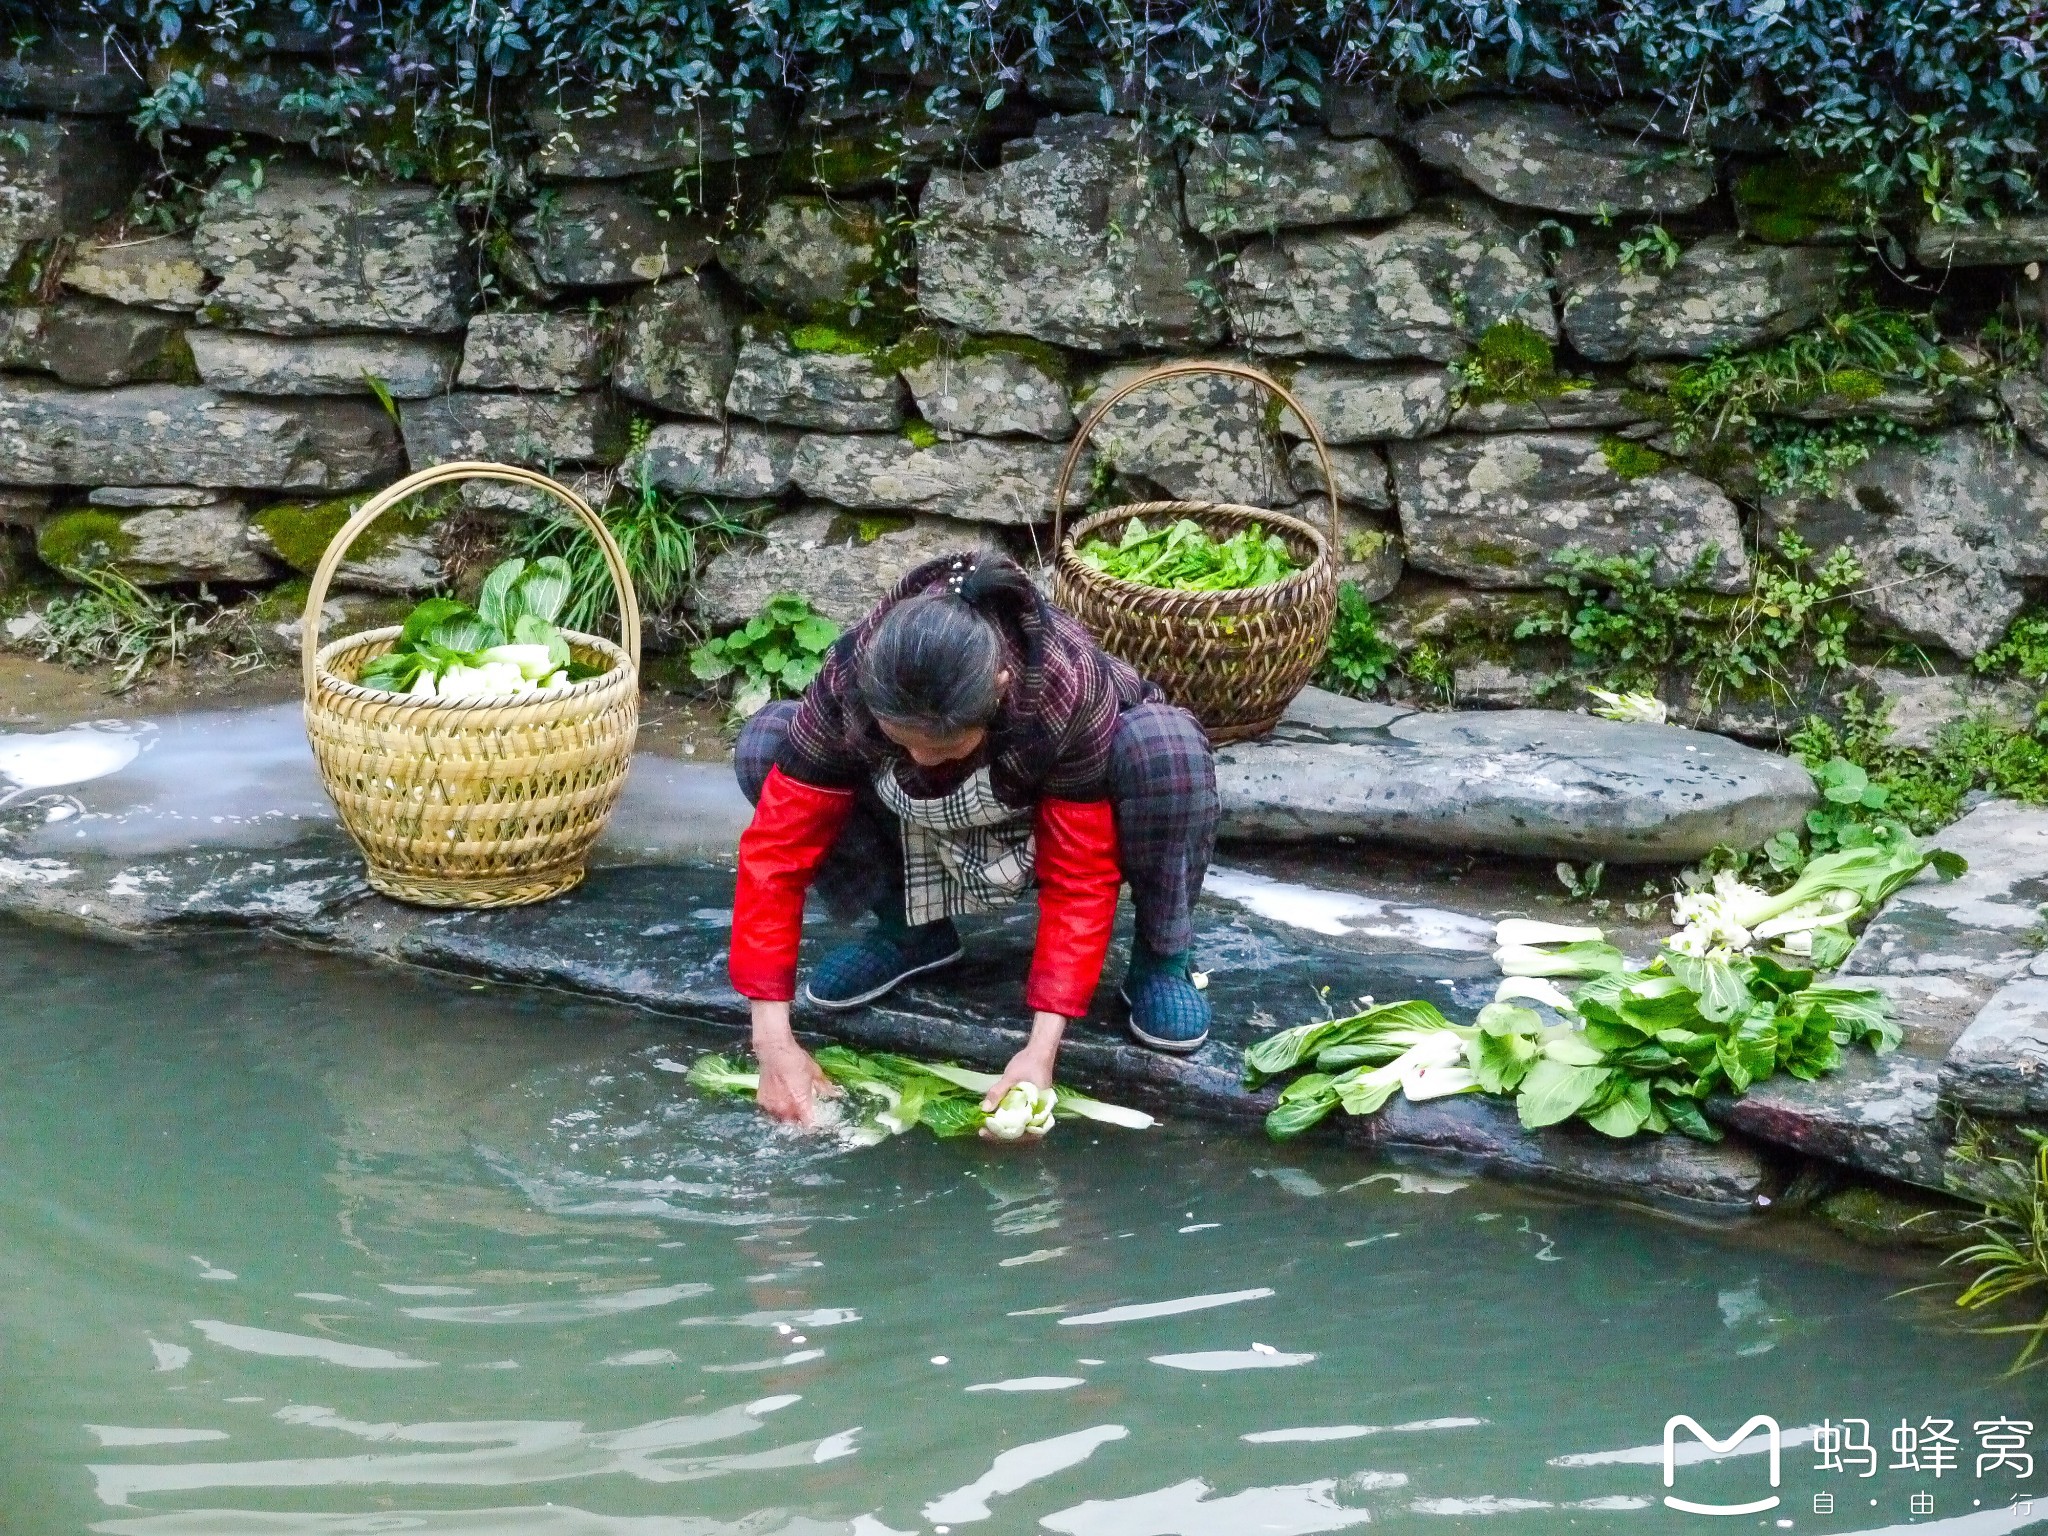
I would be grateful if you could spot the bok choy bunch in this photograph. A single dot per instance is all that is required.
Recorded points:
(507, 646)
(1641, 1050)
(1809, 919)
(889, 1094)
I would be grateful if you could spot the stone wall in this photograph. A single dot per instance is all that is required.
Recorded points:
(199, 406)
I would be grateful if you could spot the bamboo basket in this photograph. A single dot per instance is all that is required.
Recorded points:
(472, 803)
(1235, 659)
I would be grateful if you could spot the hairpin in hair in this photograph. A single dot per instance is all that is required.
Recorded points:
(960, 568)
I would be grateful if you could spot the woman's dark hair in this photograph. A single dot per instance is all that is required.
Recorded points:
(932, 662)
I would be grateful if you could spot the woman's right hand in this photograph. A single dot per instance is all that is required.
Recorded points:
(791, 1082)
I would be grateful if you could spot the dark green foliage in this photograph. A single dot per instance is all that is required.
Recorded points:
(1938, 105)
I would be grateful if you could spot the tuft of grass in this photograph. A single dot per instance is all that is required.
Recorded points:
(110, 620)
(664, 539)
(2010, 1255)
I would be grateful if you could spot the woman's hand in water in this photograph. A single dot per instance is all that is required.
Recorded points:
(791, 1083)
(1034, 1064)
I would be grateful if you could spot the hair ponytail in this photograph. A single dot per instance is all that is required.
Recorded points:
(933, 662)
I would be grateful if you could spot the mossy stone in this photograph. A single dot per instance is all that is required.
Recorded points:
(1884, 1219)
(1511, 361)
(83, 539)
(866, 527)
(1790, 201)
(920, 434)
(1631, 461)
(300, 533)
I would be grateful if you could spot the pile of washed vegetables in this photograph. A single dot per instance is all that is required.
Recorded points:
(1182, 558)
(508, 646)
(1576, 1032)
(888, 1094)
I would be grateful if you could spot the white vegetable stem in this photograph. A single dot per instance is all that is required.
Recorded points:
(1519, 931)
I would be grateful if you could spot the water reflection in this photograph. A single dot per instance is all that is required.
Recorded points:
(452, 1243)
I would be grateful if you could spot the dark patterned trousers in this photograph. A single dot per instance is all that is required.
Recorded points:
(1162, 791)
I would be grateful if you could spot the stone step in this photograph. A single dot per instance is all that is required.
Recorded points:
(1960, 960)
(1531, 782)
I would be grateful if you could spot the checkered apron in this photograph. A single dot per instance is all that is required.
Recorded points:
(964, 851)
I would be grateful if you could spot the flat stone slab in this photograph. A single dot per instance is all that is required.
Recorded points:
(1531, 782)
(1958, 959)
(217, 820)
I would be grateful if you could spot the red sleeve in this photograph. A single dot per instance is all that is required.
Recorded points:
(1078, 880)
(794, 826)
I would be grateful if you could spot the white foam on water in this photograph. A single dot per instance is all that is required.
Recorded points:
(479, 1453)
(430, 1290)
(1686, 1452)
(1338, 913)
(170, 1357)
(1030, 1384)
(1192, 1509)
(1036, 1256)
(49, 760)
(794, 1357)
(1485, 1504)
(1148, 1309)
(1315, 1432)
(1232, 1360)
(562, 1311)
(266, 1341)
(121, 1434)
(643, 1357)
(1017, 1468)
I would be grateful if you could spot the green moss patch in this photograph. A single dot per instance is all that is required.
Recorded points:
(84, 539)
(300, 533)
(867, 527)
(1788, 200)
(1512, 360)
(920, 434)
(1631, 461)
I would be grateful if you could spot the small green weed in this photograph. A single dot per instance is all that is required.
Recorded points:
(1653, 247)
(1924, 789)
(1796, 456)
(1856, 353)
(1359, 657)
(775, 654)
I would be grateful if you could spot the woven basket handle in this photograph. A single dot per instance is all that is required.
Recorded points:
(442, 474)
(1173, 371)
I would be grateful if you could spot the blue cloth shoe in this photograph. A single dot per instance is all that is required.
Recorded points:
(1168, 1011)
(864, 970)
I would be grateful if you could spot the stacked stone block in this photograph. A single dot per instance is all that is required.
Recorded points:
(195, 406)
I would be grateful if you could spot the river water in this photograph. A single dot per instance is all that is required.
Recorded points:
(297, 1246)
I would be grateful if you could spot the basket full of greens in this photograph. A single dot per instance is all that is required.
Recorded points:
(474, 754)
(1226, 607)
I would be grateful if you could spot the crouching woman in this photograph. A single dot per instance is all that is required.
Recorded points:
(964, 742)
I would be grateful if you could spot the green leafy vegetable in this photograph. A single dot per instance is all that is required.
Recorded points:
(892, 1093)
(1182, 558)
(507, 645)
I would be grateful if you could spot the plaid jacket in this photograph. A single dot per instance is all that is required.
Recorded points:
(1051, 735)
